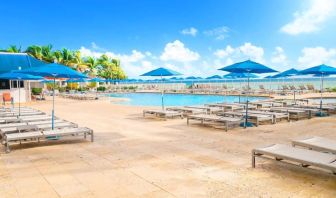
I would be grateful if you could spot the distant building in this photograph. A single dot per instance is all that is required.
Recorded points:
(16, 61)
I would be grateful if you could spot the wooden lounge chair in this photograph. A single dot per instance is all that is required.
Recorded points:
(205, 118)
(255, 118)
(163, 113)
(44, 135)
(296, 156)
(186, 110)
(316, 143)
(276, 116)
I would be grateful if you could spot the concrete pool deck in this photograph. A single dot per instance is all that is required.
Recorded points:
(137, 157)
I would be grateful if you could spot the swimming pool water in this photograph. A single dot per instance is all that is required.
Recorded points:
(154, 99)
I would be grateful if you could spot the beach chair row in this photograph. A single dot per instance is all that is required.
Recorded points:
(317, 153)
(29, 126)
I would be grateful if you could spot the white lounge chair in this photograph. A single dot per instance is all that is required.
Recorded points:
(316, 143)
(296, 156)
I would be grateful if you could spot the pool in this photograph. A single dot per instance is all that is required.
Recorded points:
(154, 99)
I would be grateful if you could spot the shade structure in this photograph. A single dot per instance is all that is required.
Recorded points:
(214, 77)
(248, 67)
(191, 78)
(72, 80)
(321, 71)
(287, 73)
(19, 77)
(162, 72)
(53, 70)
(97, 80)
(240, 75)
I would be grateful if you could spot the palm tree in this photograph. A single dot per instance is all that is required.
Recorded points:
(35, 51)
(47, 54)
(91, 63)
(67, 57)
(58, 56)
(14, 49)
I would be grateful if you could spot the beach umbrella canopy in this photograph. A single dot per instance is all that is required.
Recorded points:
(247, 66)
(321, 71)
(240, 75)
(191, 78)
(214, 77)
(19, 76)
(287, 73)
(53, 70)
(162, 72)
(72, 80)
(97, 80)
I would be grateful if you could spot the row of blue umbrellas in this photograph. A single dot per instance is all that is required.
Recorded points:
(248, 69)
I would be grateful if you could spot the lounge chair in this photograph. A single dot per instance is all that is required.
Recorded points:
(296, 156)
(255, 118)
(163, 113)
(38, 135)
(186, 110)
(205, 118)
(316, 143)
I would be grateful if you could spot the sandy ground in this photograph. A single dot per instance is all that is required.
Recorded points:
(141, 157)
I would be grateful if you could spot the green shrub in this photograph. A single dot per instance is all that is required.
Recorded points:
(36, 91)
(101, 88)
(62, 89)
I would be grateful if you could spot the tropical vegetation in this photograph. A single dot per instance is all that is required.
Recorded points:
(103, 66)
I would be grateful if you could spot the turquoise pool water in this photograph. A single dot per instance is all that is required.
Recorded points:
(154, 99)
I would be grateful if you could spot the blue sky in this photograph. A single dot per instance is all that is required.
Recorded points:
(195, 37)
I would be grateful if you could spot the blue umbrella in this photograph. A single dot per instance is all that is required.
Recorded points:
(247, 67)
(97, 80)
(288, 73)
(214, 77)
(19, 77)
(162, 72)
(53, 70)
(240, 75)
(191, 78)
(321, 71)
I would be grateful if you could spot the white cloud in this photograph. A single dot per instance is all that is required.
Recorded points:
(176, 51)
(221, 53)
(311, 19)
(243, 52)
(317, 55)
(219, 33)
(189, 31)
(279, 57)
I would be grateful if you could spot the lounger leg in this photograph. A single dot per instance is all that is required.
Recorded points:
(7, 146)
(187, 120)
(92, 136)
(85, 135)
(226, 126)
(253, 159)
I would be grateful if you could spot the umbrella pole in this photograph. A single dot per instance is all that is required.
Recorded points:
(247, 97)
(53, 106)
(321, 94)
(19, 97)
(162, 94)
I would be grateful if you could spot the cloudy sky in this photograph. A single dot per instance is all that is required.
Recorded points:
(194, 37)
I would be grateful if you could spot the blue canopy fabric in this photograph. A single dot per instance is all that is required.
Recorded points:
(19, 76)
(268, 77)
(320, 69)
(248, 67)
(287, 73)
(240, 75)
(73, 80)
(53, 70)
(97, 80)
(191, 78)
(162, 72)
(214, 77)
(12, 61)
